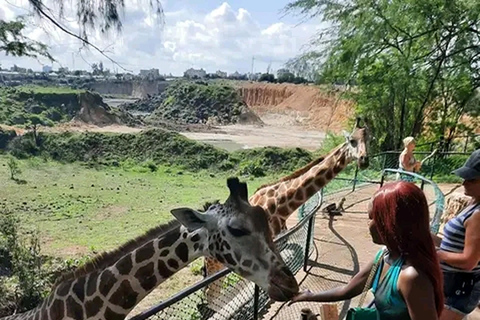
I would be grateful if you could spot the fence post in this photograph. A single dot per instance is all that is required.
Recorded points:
(355, 178)
(432, 170)
(307, 245)
(382, 180)
(255, 302)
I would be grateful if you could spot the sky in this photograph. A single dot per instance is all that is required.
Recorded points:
(213, 35)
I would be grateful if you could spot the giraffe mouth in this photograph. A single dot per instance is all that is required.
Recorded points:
(279, 292)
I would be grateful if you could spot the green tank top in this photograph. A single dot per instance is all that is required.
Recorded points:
(388, 300)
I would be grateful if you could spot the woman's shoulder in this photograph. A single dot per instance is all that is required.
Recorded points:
(411, 276)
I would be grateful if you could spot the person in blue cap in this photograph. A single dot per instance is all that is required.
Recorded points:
(459, 251)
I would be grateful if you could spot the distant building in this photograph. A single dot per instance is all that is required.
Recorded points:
(194, 73)
(47, 69)
(150, 74)
(237, 75)
(15, 68)
(221, 74)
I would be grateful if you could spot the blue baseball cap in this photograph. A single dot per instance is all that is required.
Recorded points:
(471, 168)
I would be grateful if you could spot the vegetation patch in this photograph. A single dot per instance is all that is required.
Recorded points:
(44, 106)
(186, 102)
(154, 147)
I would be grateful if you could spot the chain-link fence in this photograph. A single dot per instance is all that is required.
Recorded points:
(240, 299)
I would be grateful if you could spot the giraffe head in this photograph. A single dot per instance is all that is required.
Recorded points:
(238, 235)
(357, 143)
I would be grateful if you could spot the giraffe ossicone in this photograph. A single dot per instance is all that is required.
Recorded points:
(110, 286)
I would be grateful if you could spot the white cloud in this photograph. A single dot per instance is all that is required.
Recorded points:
(225, 38)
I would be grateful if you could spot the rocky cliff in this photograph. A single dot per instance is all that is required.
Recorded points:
(316, 108)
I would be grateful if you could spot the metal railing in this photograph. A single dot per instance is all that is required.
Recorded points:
(250, 304)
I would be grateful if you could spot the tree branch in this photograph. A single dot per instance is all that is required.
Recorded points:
(85, 41)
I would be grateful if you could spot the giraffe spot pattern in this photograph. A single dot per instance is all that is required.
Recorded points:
(255, 267)
(220, 258)
(44, 313)
(92, 307)
(64, 288)
(92, 283)
(74, 310)
(107, 280)
(111, 315)
(37, 315)
(173, 263)
(164, 253)
(79, 288)
(329, 175)
(182, 252)
(299, 195)
(163, 270)
(311, 190)
(124, 265)
(145, 252)
(166, 242)
(146, 276)
(125, 296)
(195, 246)
(320, 182)
(337, 169)
(229, 259)
(247, 263)
(263, 263)
(238, 257)
(57, 310)
(196, 237)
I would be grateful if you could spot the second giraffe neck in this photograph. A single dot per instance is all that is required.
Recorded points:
(111, 293)
(283, 198)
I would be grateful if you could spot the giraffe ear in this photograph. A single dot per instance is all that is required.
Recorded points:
(190, 218)
(346, 134)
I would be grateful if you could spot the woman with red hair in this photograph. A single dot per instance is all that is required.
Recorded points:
(408, 282)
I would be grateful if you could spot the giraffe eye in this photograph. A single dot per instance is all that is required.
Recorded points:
(353, 143)
(238, 232)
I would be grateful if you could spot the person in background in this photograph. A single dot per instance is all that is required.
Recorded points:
(406, 159)
(408, 282)
(459, 251)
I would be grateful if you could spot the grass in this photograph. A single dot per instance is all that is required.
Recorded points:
(80, 210)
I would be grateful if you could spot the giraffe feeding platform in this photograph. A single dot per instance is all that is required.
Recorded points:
(342, 244)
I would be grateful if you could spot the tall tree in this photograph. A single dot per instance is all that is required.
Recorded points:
(403, 56)
(102, 15)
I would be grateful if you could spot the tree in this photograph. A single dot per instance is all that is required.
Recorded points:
(103, 15)
(34, 121)
(415, 64)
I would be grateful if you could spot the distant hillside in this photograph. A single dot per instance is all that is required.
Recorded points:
(188, 102)
(20, 106)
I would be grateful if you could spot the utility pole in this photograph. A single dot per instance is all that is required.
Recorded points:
(253, 62)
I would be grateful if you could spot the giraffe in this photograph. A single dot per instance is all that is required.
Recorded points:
(109, 287)
(281, 198)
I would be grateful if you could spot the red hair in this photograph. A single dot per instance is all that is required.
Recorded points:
(401, 216)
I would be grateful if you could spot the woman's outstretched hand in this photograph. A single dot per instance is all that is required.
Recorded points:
(301, 296)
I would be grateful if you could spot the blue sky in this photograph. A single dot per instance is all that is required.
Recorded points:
(214, 35)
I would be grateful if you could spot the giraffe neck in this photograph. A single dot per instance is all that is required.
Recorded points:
(282, 199)
(111, 293)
